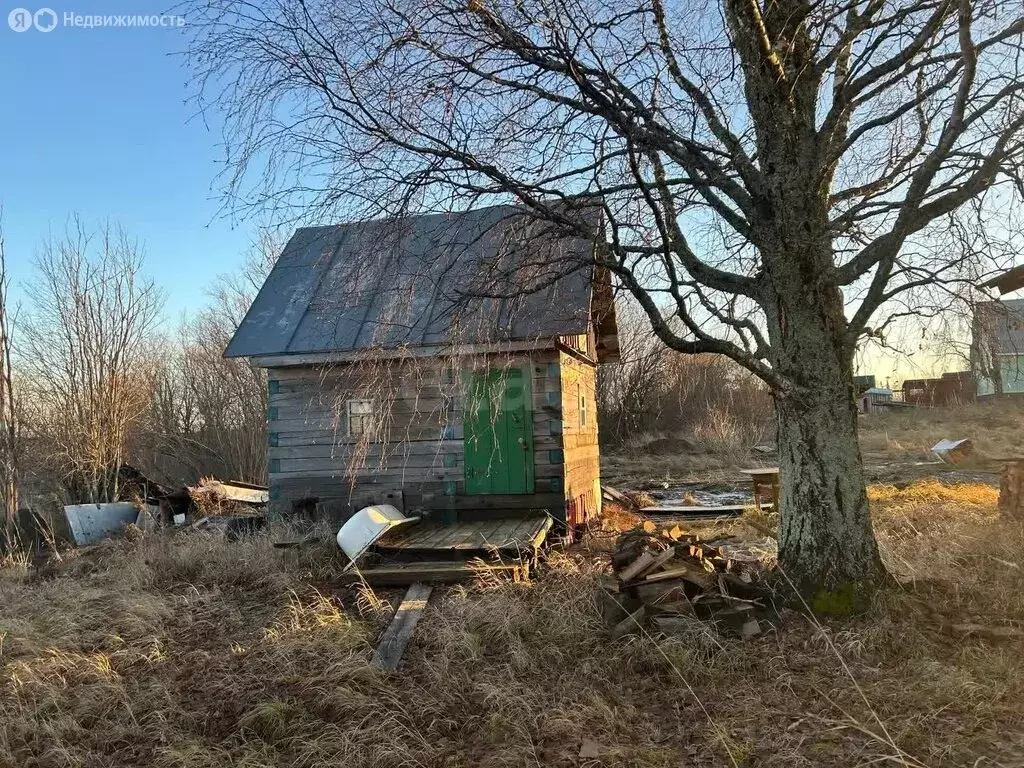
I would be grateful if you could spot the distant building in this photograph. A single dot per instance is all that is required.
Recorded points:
(864, 382)
(952, 388)
(874, 399)
(997, 347)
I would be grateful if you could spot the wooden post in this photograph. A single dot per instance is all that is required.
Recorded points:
(1011, 489)
(764, 479)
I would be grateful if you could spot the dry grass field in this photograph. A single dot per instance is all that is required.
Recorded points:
(190, 651)
(895, 445)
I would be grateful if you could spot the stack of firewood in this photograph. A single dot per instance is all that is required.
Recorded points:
(665, 580)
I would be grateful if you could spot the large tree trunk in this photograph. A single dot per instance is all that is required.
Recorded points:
(826, 543)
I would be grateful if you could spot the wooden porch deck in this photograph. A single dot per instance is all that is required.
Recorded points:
(503, 535)
(431, 552)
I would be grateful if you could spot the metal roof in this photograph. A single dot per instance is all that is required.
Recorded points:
(482, 276)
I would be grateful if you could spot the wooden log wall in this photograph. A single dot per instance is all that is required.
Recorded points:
(416, 457)
(582, 468)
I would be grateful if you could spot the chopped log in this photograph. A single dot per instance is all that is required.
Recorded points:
(687, 580)
(698, 576)
(1011, 490)
(676, 533)
(664, 591)
(627, 551)
(637, 566)
(676, 608)
(611, 609)
(750, 628)
(629, 624)
(659, 560)
(734, 586)
(736, 620)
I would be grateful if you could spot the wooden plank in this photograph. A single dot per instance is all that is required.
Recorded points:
(476, 503)
(726, 509)
(498, 533)
(544, 526)
(396, 637)
(480, 535)
(443, 572)
(639, 565)
(659, 561)
(403, 534)
(365, 357)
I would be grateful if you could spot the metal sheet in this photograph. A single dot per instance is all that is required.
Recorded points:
(366, 526)
(480, 276)
(92, 522)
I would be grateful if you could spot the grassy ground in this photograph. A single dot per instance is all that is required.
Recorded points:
(189, 651)
(895, 446)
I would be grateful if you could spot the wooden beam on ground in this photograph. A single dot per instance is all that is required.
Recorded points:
(725, 509)
(611, 494)
(435, 572)
(399, 632)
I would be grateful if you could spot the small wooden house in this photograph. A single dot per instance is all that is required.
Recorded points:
(444, 364)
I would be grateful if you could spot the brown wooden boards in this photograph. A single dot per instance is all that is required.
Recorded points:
(396, 637)
(482, 535)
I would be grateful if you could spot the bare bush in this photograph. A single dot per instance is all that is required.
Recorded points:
(84, 355)
(657, 391)
(207, 414)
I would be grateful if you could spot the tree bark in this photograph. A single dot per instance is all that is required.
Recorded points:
(826, 543)
(827, 547)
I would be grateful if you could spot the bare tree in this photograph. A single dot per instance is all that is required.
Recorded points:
(10, 415)
(653, 390)
(85, 357)
(208, 414)
(776, 178)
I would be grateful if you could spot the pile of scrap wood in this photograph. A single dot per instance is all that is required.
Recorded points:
(665, 581)
(217, 497)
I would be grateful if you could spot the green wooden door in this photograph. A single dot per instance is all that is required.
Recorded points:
(498, 432)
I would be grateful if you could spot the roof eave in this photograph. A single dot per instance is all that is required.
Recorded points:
(300, 359)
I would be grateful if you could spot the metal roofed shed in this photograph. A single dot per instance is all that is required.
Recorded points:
(444, 364)
(873, 399)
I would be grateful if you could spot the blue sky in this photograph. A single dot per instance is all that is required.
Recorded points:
(94, 121)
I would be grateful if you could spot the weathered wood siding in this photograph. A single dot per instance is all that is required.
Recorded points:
(582, 460)
(416, 458)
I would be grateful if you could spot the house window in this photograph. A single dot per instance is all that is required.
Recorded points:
(360, 417)
(583, 405)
